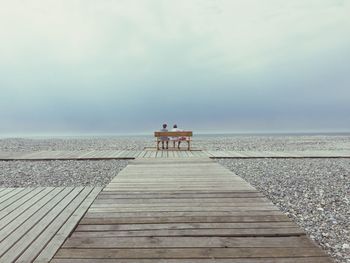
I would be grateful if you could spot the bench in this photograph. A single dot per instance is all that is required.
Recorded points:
(178, 134)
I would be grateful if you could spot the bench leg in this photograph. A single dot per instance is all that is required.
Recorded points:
(158, 145)
(189, 147)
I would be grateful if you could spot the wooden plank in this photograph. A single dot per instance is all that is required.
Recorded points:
(178, 185)
(179, 206)
(202, 181)
(208, 153)
(111, 154)
(71, 155)
(182, 209)
(45, 236)
(180, 188)
(81, 154)
(41, 233)
(86, 155)
(186, 242)
(36, 226)
(133, 154)
(31, 192)
(173, 133)
(176, 195)
(179, 191)
(179, 201)
(183, 219)
(15, 217)
(195, 153)
(149, 153)
(239, 232)
(181, 213)
(140, 154)
(158, 178)
(175, 226)
(193, 185)
(50, 249)
(169, 180)
(189, 253)
(111, 203)
(10, 196)
(5, 191)
(18, 227)
(110, 199)
(130, 154)
(15, 199)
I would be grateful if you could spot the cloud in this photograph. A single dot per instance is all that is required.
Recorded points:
(79, 64)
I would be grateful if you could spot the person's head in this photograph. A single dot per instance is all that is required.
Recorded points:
(175, 126)
(164, 125)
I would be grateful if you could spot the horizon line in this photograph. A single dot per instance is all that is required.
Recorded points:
(150, 133)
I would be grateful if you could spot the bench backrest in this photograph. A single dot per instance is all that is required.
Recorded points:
(173, 134)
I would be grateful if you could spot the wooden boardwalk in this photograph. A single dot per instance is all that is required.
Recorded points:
(129, 154)
(34, 222)
(188, 210)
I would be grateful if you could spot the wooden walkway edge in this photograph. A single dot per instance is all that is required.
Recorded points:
(34, 222)
(188, 210)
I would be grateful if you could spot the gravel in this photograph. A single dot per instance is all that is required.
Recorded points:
(58, 173)
(75, 144)
(273, 143)
(315, 193)
(217, 142)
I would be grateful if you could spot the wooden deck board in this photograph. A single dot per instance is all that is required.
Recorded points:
(189, 209)
(53, 221)
(38, 217)
(188, 253)
(33, 227)
(16, 215)
(75, 214)
(11, 235)
(31, 192)
(14, 198)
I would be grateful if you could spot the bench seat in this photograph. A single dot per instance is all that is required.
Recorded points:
(175, 136)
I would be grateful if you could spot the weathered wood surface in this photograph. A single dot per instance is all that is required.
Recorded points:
(130, 154)
(185, 210)
(34, 222)
(279, 154)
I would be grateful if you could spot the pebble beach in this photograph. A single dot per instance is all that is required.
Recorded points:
(315, 193)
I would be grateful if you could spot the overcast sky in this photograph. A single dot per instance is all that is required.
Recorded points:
(114, 66)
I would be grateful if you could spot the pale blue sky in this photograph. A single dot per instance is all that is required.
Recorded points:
(114, 66)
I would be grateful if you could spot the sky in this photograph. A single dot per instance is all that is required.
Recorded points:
(128, 66)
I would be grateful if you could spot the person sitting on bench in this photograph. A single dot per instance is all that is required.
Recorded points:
(178, 139)
(164, 139)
